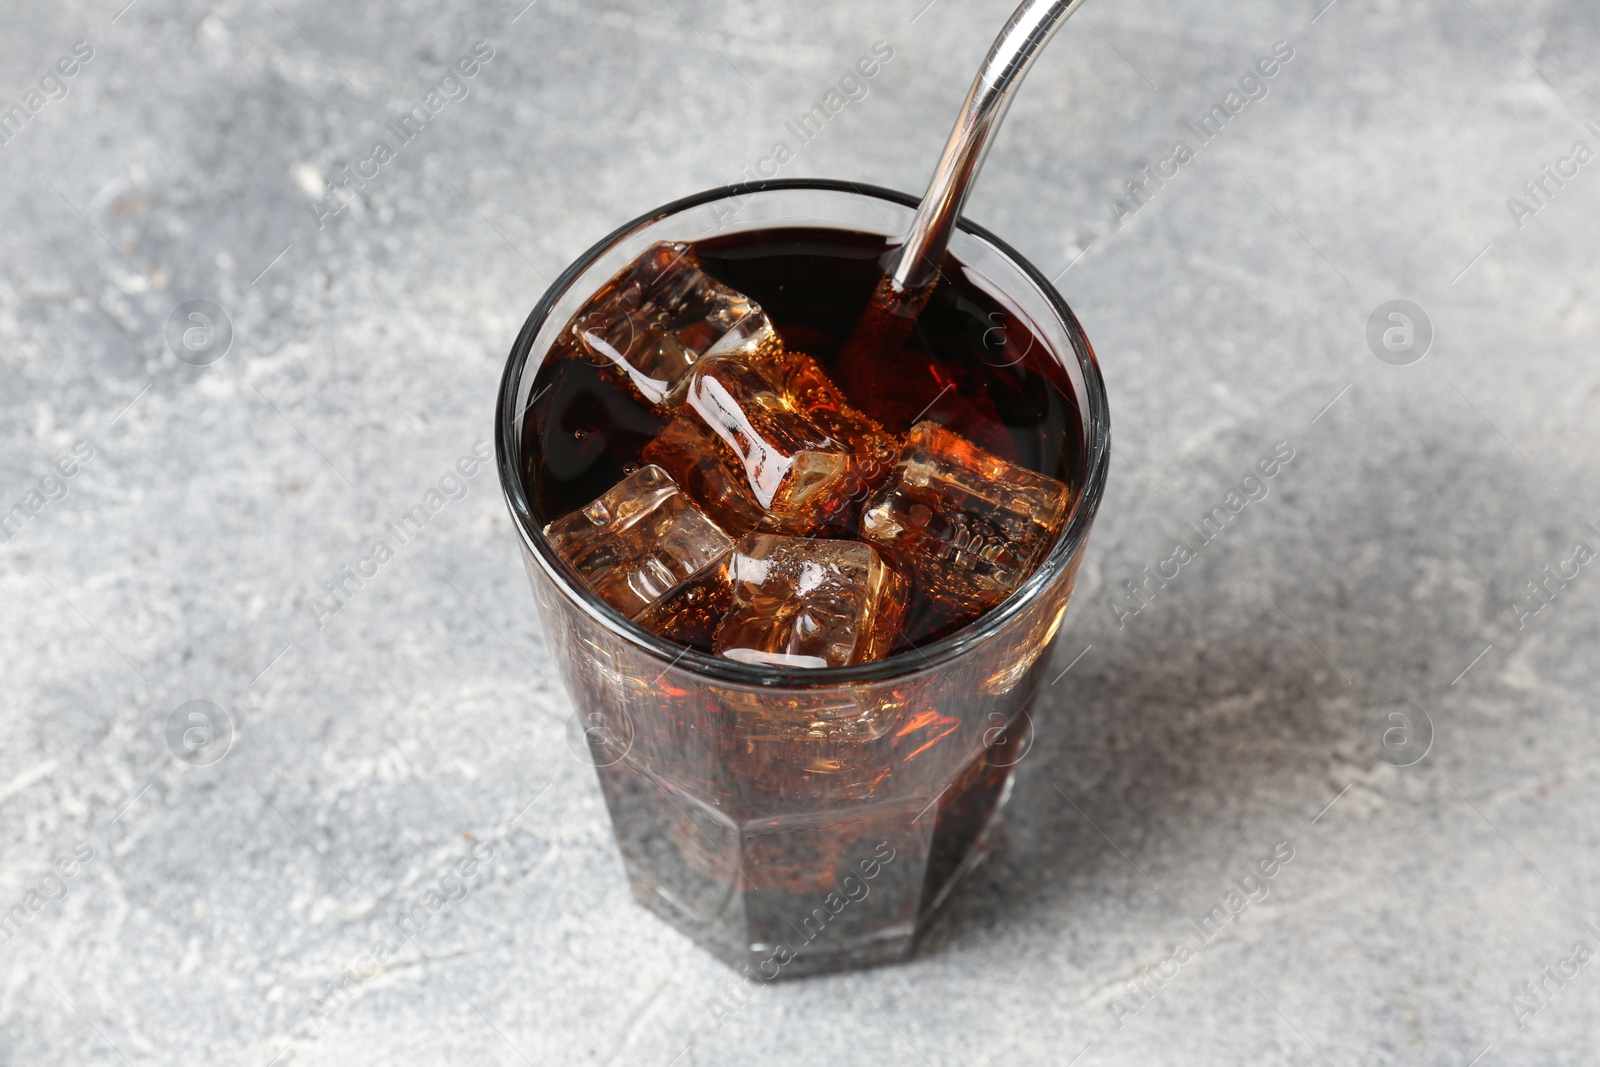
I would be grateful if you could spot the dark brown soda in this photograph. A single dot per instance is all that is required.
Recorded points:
(969, 364)
(738, 823)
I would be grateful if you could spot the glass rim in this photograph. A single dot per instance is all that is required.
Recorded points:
(1097, 431)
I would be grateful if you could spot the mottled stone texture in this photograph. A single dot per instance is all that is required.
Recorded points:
(301, 533)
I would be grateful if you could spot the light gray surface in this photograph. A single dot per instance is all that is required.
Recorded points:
(1179, 750)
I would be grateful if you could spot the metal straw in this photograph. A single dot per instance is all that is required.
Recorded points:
(1013, 52)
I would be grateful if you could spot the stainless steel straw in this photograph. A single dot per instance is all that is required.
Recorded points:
(1013, 52)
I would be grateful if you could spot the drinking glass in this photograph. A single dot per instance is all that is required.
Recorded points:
(797, 821)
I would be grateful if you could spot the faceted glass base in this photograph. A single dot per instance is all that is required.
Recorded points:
(786, 897)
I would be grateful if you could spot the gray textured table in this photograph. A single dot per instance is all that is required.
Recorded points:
(1353, 672)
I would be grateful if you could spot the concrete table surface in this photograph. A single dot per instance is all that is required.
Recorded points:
(1382, 667)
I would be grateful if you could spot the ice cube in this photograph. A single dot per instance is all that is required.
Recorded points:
(638, 541)
(691, 612)
(659, 316)
(965, 524)
(809, 469)
(779, 415)
(701, 471)
(809, 603)
(807, 386)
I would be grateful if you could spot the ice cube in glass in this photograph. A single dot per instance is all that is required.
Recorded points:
(638, 541)
(659, 316)
(794, 468)
(966, 525)
(803, 602)
(802, 381)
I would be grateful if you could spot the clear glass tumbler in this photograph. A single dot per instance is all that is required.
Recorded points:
(799, 821)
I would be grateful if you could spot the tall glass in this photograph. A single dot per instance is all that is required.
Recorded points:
(805, 820)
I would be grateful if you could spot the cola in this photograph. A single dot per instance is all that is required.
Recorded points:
(708, 459)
